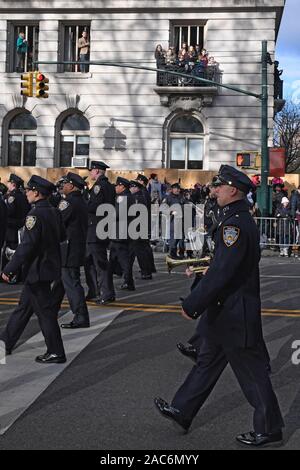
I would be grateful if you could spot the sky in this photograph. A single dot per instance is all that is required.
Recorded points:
(288, 50)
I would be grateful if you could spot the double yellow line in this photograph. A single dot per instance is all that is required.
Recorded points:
(157, 308)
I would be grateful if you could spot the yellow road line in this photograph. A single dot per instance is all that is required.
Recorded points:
(158, 308)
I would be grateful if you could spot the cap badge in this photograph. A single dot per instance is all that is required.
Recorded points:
(30, 222)
(230, 235)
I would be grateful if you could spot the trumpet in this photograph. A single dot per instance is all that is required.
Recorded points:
(172, 264)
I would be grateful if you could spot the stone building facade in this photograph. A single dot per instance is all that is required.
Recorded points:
(133, 118)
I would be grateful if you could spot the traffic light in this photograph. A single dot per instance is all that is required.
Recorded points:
(27, 84)
(41, 85)
(243, 159)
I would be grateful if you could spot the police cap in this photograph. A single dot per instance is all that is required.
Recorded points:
(97, 165)
(175, 185)
(123, 181)
(43, 186)
(75, 179)
(142, 178)
(15, 179)
(135, 183)
(233, 177)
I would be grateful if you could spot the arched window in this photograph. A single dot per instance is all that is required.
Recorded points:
(186, 143)
(22, 140)
(74, 138)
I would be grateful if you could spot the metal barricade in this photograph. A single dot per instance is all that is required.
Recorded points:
(278, 231)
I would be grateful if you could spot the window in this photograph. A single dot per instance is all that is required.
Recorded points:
(70, 34)
(74, 138)
(186, 144)
(192, 34)
(22, 140)
(21, 59)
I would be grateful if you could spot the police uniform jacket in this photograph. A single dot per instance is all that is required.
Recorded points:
(39, 252)
(17, 209)
(75, 219)
(228, 295)
(103, 192)
(123, 200)
(140, 197)
(3, 221)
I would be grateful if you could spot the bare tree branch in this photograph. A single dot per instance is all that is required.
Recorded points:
(287, 135)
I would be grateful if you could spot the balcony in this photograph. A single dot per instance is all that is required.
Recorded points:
(187, 92)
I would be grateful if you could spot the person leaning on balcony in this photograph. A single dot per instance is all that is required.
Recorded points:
(22, 48)
(171, 56)
(159, 55)
(84, 50)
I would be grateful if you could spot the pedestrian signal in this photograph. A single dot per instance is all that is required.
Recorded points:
(27, 84)
(243, 159)
(41, 85)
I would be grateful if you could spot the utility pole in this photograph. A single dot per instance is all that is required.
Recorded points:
(264, 132)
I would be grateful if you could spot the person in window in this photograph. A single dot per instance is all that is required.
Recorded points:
(84, 50)
(201, 63)
(22, 49)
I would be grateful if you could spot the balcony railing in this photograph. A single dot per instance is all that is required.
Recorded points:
(211, 72)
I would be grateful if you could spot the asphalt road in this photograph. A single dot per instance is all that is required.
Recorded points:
(104, 399)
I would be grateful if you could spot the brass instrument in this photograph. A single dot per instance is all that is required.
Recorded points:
(204, 262)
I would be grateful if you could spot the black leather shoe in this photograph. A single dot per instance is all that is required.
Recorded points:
(49, 358)
(254, 439)
(188, 351)
(126, 286)
(90, 297)
(105, 301)
(8, 352)
(171, 413)
(73, 325)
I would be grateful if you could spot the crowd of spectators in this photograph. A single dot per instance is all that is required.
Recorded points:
(192, 60)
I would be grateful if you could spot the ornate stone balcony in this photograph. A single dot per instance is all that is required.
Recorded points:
(187, 92)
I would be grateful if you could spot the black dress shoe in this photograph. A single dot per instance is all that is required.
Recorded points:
(105, 301)
(49, 358)
(90, 297)
(171, 413)
(73, 325)
(254, 439)
(188, 351)
(8, 352)
(126, 286)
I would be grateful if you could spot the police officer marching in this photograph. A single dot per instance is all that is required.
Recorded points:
(120, 244)
(175, 199)
(148, 250)
(17, 209)
(75, 218)
(139, 247)
(39, 254)
(96, 263)
(227, 299)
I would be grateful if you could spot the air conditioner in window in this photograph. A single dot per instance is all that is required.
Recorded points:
(80, 162)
